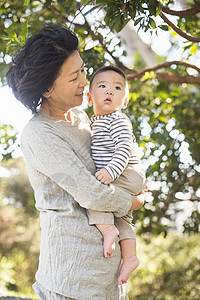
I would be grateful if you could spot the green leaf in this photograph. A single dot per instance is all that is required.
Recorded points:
(193, 49)
(24, 32)
(109, 16)
(118, 25)
(152, 7)
(153, 23)
(8, 46)
(12, 35)
(138, 21)
(105, 2)
(47, 3)
(158, 9)
(146, 28)
(91, 10)
(132, 12)
(164, 27)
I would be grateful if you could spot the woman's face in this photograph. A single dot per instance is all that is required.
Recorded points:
(67, 91)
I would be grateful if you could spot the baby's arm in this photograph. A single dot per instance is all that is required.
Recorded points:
(123, 138)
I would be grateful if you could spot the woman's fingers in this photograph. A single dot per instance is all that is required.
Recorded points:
(146, 187)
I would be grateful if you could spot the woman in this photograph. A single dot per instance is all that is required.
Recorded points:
(48, 77)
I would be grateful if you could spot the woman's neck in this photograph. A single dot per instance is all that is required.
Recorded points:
(56, 113)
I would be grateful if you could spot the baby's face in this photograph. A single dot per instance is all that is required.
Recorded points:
(108, 93)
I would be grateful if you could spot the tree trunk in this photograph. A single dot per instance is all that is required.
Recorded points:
(133, 43)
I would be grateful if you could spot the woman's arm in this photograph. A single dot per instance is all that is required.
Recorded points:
(51, 155)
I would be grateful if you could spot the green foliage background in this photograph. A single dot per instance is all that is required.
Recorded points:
(169, 269)
(165, 117)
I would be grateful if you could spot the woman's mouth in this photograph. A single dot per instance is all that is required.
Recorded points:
(79, 95)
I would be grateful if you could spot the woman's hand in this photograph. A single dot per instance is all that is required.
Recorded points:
(138, 200)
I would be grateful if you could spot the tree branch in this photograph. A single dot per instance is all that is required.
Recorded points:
(194, 199)
(164, 65)
(179, 31)
(98, 37)
(133, 75)
(55, 11)
(2, 27)
(116, 60)
(171, 77)
(181, 13)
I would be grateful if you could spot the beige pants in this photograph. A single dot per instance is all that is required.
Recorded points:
(132, 180)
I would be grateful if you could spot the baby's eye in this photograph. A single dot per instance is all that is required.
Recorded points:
(118, 88)
(102, 86)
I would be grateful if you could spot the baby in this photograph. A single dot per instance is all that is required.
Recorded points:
(114, 151)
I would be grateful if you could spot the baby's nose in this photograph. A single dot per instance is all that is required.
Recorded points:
(109, 92)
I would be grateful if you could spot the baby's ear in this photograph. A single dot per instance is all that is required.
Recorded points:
(125, 103)
(126, 95)
(89, 96)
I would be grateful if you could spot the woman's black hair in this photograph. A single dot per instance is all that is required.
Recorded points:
(36, 65)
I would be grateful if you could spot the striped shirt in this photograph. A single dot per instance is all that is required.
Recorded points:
(113, 143)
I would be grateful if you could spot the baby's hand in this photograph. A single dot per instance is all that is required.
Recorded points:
(103, 176)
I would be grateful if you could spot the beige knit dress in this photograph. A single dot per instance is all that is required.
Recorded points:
(60, 169)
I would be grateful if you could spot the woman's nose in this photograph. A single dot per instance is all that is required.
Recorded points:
(83, 80)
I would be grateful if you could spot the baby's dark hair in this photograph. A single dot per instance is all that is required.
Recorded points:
(108, 68)
(37, 64)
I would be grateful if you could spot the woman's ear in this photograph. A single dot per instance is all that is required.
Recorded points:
(47, 94)
(89, 96)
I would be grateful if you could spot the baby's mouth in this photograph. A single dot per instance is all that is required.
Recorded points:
(108, 100)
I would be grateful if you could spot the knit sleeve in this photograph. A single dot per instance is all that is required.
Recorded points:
(54, 157)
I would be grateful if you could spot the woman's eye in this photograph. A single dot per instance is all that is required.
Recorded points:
(83, 71)
(74, 79)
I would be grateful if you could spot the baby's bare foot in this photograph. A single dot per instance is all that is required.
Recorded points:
(110, 233)
(127, 269)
